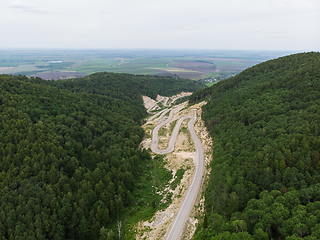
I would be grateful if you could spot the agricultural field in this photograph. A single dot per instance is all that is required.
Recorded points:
(207, 66)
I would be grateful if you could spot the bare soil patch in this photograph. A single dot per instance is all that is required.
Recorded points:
(182, 94)
(171, 70)
(188, 69)
(189, 75)
(163, 73)
(210, 68)
(235, 60)
(189, 63)
(148, 102)
(58, 75)
(157, 227)
(5, 68)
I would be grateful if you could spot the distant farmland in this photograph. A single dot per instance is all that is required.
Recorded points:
(200, 66)
(60, 64)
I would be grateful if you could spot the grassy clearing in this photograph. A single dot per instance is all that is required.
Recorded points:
(153, 112)
(162, 144)
(160, 104)
(155, 62)
(95, 65)
(147, 130)
(172, 124)
(178, 177)
(181, 100)
(185, 131)
(210, 84)
(22, 68)
(162, 132)
(111, 65)
(154, 179)
(134, 66)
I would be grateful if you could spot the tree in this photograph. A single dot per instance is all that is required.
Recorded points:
(119, 229)
(205, 222)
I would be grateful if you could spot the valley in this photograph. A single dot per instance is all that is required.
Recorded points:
(180, 154)
(160, 120)
(124, 156)
(70, 150)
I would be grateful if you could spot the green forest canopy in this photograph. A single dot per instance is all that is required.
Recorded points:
(264, 181)
(69, 156)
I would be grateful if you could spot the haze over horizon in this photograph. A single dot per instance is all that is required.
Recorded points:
(238, 25)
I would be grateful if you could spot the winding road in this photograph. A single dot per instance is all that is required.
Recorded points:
(150, 108)
(162, 112)
(176, 228)
(165, 101)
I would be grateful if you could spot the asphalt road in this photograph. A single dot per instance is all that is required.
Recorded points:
(157, 114)
(150, 108)
(165, 101)
(181, 217)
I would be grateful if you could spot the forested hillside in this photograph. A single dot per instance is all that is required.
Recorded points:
(127, 87)
(265, 172)
(69, 157)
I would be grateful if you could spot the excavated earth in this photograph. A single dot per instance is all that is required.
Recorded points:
(182, 156)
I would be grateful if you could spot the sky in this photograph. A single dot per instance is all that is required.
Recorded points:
(288, 25)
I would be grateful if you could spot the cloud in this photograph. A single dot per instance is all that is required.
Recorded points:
(16, 4)
(105, 12)
(254, 30)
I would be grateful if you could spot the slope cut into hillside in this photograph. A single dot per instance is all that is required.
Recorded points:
(181, 164)
(265, 181)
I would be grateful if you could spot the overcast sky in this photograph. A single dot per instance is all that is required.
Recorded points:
(161, 24)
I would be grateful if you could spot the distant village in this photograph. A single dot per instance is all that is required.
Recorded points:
(212, 79)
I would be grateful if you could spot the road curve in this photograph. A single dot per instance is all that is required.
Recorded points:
(165, 101)
(150, 108)
(188, 202)
(157, 114)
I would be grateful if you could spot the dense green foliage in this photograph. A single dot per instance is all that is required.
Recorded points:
(128, 88)
(154, 178)
(264, 181)
(69, 157)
